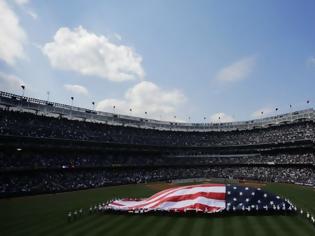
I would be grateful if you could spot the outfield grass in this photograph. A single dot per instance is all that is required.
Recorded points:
(46, 215)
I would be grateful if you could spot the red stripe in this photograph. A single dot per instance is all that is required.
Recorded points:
(135, 207)
(171, 190)
(215, 196)
(160, 199)
(184, 187)
(156, 195)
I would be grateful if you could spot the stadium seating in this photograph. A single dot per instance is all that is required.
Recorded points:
(40, 153)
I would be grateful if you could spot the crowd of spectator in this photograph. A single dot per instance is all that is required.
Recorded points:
(56, 159)
(278, 158)
(56, 181)
(46, 169)
(31, 125)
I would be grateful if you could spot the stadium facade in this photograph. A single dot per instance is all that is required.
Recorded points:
(43, 107)
(52, 147)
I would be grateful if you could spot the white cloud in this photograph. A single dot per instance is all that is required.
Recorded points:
(239, 70)
(21, 2)
(118, 36)
(10, 83)
(221, 117)
(88, 54)
(146, 97)
(32, 14)
(265, 110)
(12, 35)
(77, 89)
(311, 61)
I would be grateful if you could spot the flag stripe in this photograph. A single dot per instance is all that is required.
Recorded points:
(205, 196)
(218, 193)
(214, 196)
(216, 189)
(175, 192)
(187, 203)
(172, 190)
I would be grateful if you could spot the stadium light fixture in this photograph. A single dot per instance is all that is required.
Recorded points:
(72, 98)
(23, 89)
(277, 115)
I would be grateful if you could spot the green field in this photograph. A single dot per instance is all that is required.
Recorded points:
(46, 215)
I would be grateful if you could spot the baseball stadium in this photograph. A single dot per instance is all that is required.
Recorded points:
(60, 165)
(157, 118)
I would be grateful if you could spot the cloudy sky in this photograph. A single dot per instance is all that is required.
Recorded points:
(162, 59)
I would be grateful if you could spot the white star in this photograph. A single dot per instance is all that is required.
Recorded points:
(241, 193)
(246, 188)
(234, 199)
(253, 193)
(247, 199)
(265, 195)
(229, 193)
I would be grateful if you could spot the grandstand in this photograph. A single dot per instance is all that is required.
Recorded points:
(49, 147)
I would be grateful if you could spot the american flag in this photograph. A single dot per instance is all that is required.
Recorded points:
(207, 198)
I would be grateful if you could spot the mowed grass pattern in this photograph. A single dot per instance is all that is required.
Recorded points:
(46, 215)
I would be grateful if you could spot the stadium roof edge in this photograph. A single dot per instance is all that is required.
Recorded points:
(28, 104)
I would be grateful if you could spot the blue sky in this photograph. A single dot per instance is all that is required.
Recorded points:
(195, 59)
